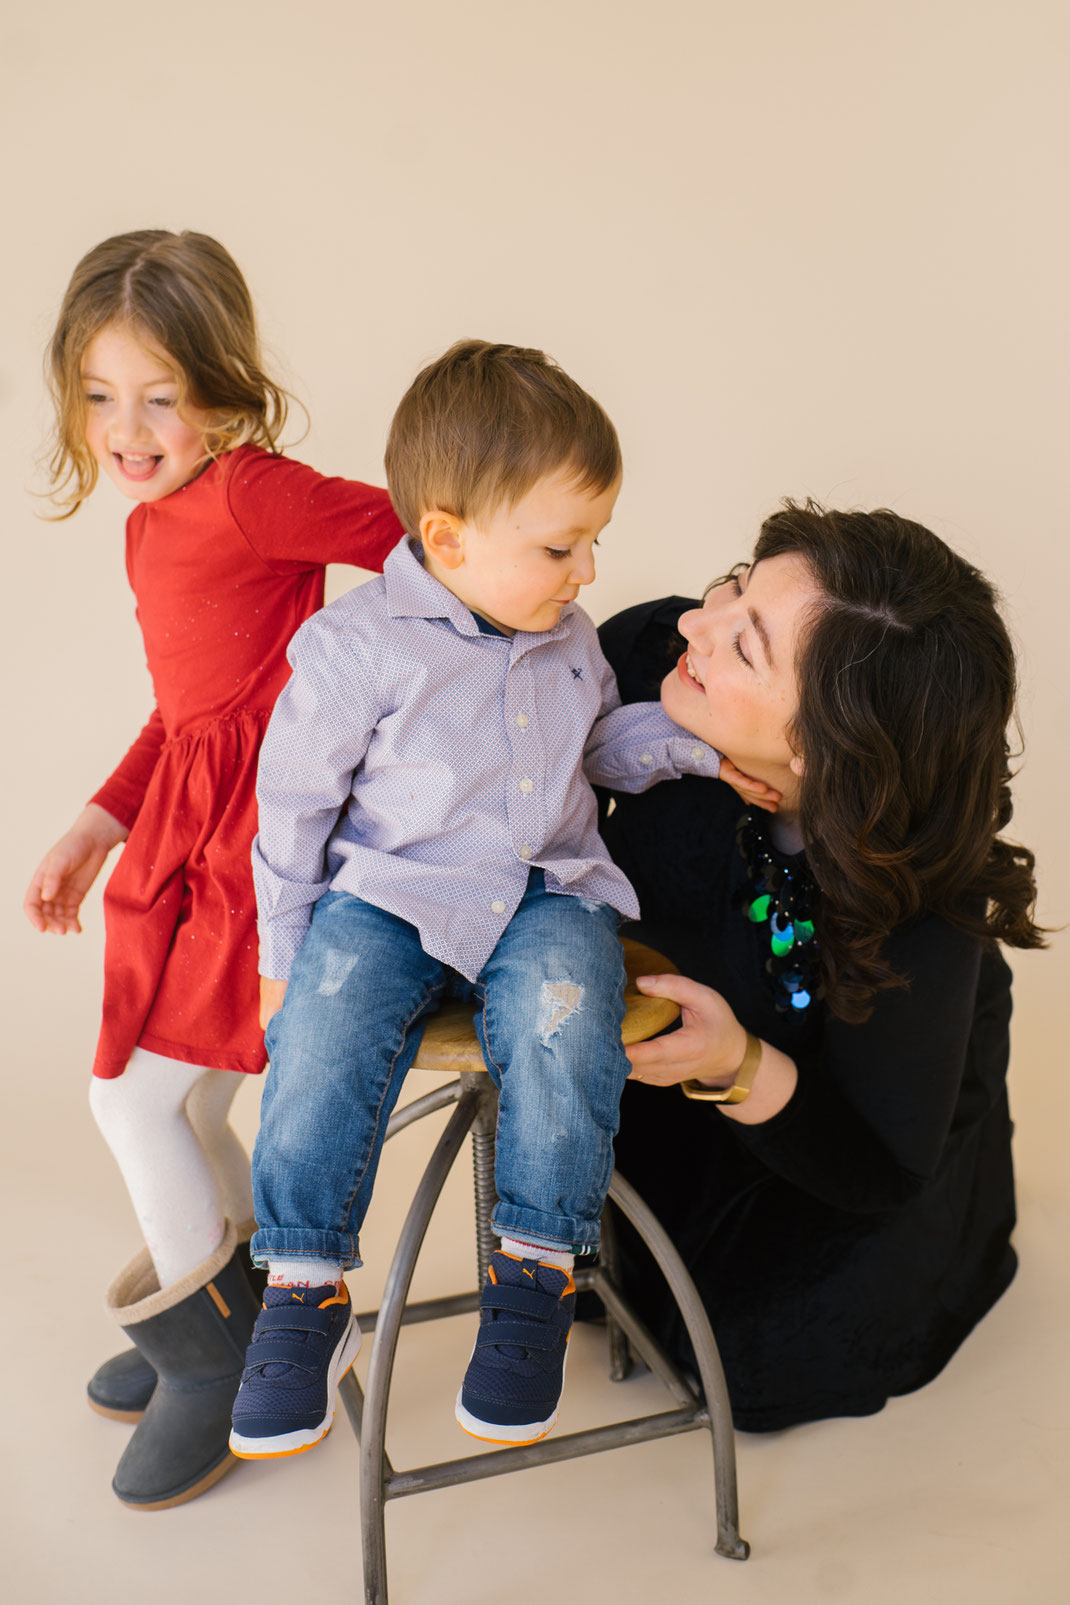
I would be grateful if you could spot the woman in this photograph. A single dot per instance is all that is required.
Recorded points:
(847, 1221)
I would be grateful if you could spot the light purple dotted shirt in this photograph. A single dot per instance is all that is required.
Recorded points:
(426, 767)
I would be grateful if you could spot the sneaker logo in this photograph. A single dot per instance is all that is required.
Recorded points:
(526, 1272)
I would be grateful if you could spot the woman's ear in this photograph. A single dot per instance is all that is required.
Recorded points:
(796, 765)
(442, 535)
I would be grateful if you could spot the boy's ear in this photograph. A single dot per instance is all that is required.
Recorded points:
(442, 535)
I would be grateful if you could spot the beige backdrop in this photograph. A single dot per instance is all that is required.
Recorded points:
(808, 249)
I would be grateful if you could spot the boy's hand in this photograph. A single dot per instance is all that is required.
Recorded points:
(271, 996)
(69, 869)
(755, 793)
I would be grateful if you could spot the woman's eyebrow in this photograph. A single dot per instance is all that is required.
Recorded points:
(763, 635)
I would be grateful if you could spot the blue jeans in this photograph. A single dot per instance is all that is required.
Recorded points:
(552, 997)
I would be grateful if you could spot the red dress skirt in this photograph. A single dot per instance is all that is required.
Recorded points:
(224, 571)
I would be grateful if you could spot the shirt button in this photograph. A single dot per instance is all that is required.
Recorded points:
(497, 907)
(697, 753)
(522, 720)
(646, 759)
(525, 851)
(526, 784)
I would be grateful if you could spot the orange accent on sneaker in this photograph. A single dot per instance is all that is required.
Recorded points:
(218, 1300)
(342, 1297)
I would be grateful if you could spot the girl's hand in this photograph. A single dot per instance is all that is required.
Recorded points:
(271, 996)
(755, 793)
(69, 869)
(708, 1046)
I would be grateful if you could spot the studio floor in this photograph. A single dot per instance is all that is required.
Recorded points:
(953, 1496)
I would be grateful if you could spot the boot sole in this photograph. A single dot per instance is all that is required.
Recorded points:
(226, 1464)
(130, 1416)
(305, 1438)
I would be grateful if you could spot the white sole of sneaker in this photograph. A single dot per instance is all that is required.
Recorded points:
(510, 1433)
(296, 1443)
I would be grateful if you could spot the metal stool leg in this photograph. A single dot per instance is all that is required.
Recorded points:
(483, 1133)
(683, 1290)
(621, 1364)
(374, 1466)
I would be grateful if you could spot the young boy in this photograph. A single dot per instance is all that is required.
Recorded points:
(428, 829)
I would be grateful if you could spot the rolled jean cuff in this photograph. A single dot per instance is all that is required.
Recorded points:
(553, 1232)
(286, 1242)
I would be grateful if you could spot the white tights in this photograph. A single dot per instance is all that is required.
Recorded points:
(185, 1170)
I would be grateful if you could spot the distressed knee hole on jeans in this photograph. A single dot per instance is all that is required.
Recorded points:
(335, 971)
(558, 1001)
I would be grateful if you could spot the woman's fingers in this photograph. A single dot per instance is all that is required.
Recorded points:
(679, 988)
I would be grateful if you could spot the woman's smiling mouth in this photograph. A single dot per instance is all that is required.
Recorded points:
(686, 670)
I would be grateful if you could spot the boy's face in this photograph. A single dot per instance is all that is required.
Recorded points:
(518, 566)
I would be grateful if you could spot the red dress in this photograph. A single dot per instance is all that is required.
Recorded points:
(224, 571)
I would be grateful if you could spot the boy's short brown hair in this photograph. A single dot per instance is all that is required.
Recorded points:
(479, 427)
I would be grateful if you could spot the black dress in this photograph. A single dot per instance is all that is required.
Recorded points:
(846, 1247)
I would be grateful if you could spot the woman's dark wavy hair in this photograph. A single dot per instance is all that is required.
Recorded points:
(906, 690)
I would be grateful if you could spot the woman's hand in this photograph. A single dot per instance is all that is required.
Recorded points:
(69, 869)
(708, 1046)
(271, 996)
(755, 793)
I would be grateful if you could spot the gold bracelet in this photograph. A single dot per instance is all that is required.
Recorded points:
(741, 1083)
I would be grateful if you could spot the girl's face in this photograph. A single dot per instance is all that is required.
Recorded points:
(133, 426)
(735, 686)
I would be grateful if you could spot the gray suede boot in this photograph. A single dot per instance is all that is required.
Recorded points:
(122, 1387)
(194, 1335)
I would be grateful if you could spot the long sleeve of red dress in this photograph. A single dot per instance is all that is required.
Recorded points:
(295, 521)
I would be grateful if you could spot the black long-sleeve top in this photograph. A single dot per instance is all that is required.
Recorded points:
(889, 1117)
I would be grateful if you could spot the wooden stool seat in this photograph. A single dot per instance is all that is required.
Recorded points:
(450, 1042)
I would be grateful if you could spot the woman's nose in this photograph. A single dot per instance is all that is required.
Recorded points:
(690, 624)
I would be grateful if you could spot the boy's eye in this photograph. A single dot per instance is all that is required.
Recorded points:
(164, 401)
(94, 398)
(559, 551)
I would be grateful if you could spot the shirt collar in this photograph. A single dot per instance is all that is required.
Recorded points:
(413, 593)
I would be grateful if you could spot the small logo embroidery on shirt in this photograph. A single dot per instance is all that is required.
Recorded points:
(577, 674)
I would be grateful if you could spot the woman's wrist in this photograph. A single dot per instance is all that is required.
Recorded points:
(739, 1083)
(735, 1043)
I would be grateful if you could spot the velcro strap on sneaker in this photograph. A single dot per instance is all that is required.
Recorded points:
(276, 1351)
(524, 1333)
(529, 1301)
(293, 1317)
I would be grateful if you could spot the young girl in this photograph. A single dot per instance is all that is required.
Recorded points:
(157, 380)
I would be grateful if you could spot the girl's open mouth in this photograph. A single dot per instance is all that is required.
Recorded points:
(137, 467)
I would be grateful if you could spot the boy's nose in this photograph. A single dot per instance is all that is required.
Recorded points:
(582, 571)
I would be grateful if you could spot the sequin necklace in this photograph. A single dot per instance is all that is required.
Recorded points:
(781, 901)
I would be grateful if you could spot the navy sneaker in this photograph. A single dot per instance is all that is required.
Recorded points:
(304, 1341)
(512, 1388)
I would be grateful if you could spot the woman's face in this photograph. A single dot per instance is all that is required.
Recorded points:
(735, 686)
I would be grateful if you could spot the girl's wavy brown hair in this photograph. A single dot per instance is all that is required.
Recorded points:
(907, 684)
(185, 294)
